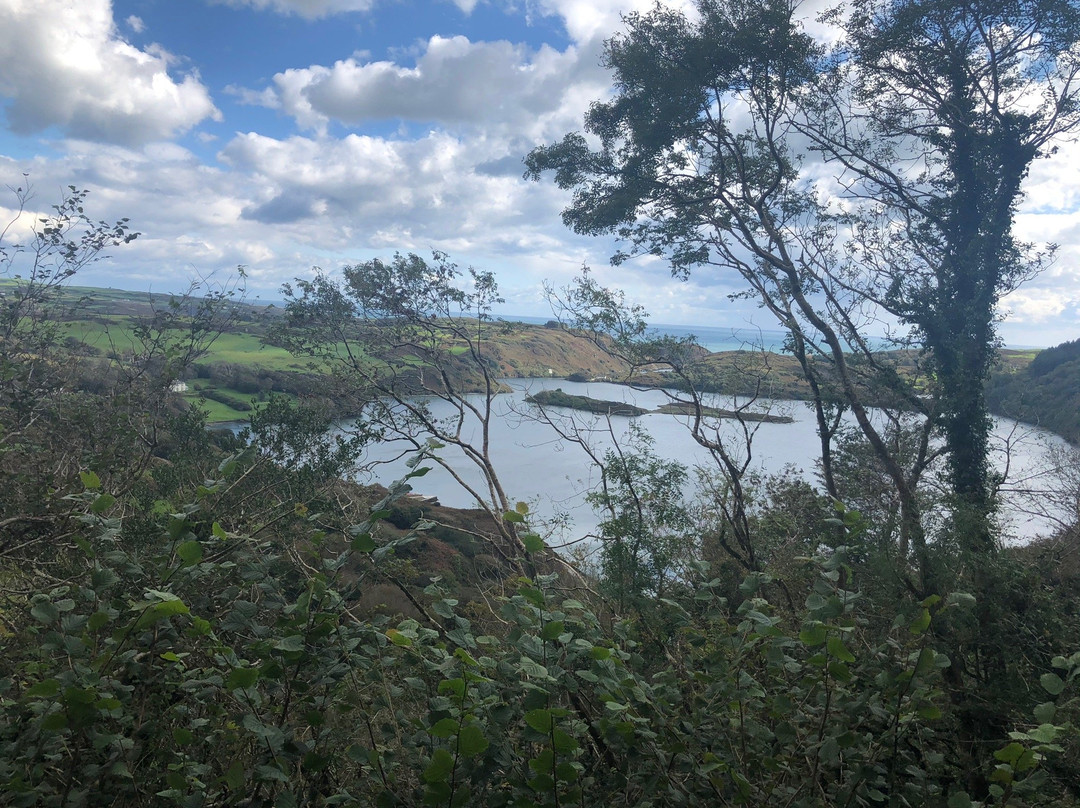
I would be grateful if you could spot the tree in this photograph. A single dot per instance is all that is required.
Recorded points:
(400, 334)
(975, 92)
(930, 114)
(646, 523)
(603, 316)
(64, 411)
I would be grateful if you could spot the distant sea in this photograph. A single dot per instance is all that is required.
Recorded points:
(711, 338)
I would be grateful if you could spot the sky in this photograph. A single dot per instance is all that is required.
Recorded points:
(282, 135)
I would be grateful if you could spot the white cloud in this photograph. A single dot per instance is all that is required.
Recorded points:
(308, 9)
(455, 83)
(448, 178)
(136, 24)
(63, 64)
(1038, 305)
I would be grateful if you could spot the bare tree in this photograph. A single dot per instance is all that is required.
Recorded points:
(404, 334)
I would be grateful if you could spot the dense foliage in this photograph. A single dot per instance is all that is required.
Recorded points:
(196, 651)
(1046, 392)
(207, 619)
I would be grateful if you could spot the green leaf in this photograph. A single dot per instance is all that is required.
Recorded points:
(539, 720)
(236, 776)
(1045, 712)
(1009, 754)
(813, 635)
(533, 543)
(455, 686)
(920, 623)
(543, 762)
(268, 772)
(837, 649)
(513, 516)
(930, 712)
(190, 552)
(466, 657)
(241, 677)
(45, 611)
(219, 531)
(965, 600)
(442, 763)
(161, 611)
(102, 503)
(1026, 762)
(182, 737)
(177, 526)
(294, 642)
(54, 722)
(160, 594)
(90, 480)
(471, 741)
(564, 743)
(444, 728)
(925, 662)
(1044, 733)
(552, 630)
(1052, 683)
(46, 689)
(364, 543)
(397, 638)
(959, 799)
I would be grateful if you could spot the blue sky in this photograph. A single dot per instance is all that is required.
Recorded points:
(286, 134)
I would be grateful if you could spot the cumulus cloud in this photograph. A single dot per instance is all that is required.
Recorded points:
(63, 64)
(454, 83)
(1038, 305)
(422, 189)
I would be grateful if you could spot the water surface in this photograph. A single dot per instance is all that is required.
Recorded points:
(553, 475)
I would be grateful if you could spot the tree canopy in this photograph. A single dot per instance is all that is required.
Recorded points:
(869, 184)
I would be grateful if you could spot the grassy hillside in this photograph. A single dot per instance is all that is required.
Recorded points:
(242, 366)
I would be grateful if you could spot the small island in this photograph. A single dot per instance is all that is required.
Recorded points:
(557, 398)
(688, 408)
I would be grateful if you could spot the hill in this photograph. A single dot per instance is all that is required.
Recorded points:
(1044, 391)
(243, 365)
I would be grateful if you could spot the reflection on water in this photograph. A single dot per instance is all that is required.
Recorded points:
(553, 475)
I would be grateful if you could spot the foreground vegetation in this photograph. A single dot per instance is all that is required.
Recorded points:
(200, 619)
(204, 621)
(196, 618)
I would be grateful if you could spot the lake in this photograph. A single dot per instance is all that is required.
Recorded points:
(553, 475)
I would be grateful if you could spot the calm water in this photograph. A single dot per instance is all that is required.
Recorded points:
(553, 475)
(714, 338)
